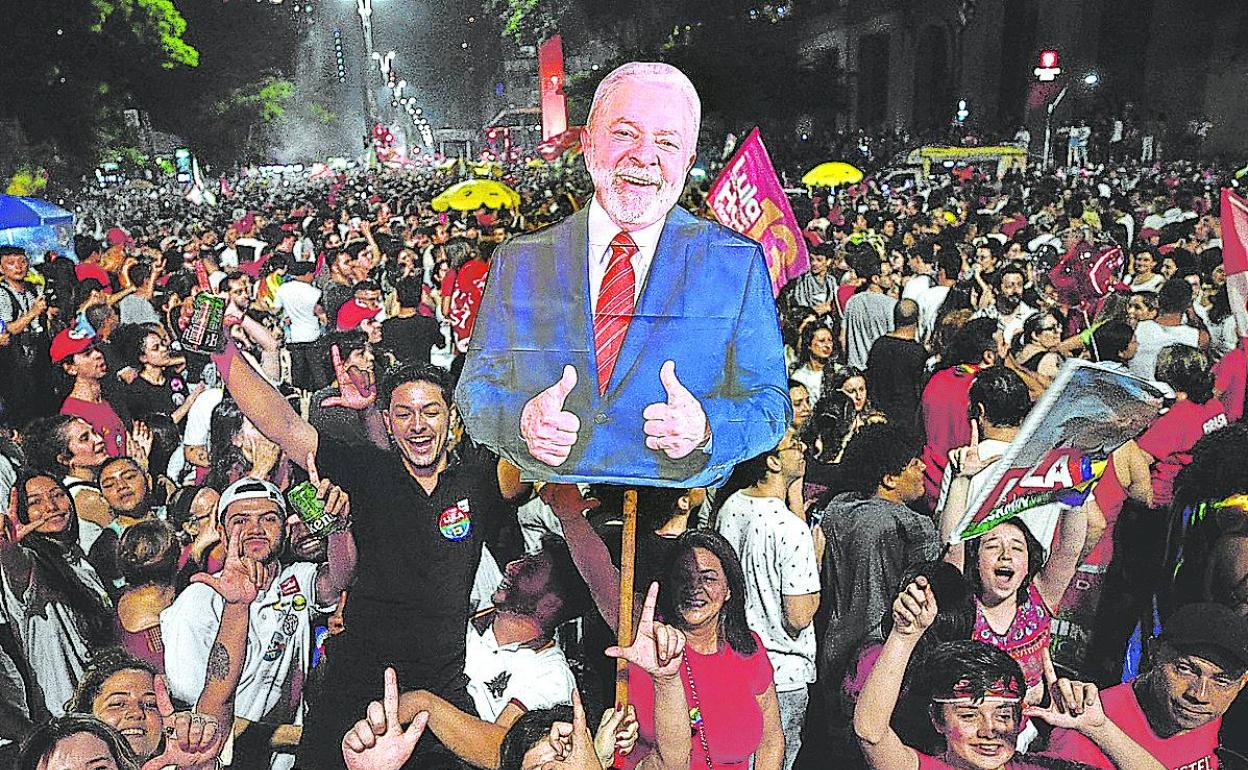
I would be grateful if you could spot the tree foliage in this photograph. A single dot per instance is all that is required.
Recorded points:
(69, 67)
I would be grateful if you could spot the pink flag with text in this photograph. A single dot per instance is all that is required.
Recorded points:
(748, 197)
(1235, 255)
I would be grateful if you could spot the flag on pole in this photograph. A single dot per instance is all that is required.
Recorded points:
(1061, 449)
(1235, 255)
(749, 198)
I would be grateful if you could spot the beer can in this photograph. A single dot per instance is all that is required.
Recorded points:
(311, 510)
(205, 331)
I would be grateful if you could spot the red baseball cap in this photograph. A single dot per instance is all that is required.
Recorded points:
(70, 342)
(352, 313)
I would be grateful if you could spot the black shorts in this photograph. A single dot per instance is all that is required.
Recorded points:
(308, 370)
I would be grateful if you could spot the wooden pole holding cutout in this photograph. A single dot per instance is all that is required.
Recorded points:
(628, 554)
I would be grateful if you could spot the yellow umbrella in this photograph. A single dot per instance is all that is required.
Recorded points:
(832, 174)
(472, 194)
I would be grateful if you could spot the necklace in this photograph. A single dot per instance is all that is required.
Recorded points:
(695, 715)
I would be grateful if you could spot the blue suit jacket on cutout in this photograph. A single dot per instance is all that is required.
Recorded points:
(706, 305)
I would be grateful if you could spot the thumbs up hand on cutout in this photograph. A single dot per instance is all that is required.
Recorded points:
(548, 430)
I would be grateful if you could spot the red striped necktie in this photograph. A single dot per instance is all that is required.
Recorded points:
(614, 309)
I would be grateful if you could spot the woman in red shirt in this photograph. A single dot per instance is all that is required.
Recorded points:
(733, 708)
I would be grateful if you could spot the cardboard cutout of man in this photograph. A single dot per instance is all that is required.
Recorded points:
(632, 342)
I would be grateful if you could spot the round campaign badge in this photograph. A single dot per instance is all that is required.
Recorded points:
(455, 523)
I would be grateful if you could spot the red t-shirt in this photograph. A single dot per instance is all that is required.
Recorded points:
(945, 402)
(1192, 750)
(466, 298)
(728, 685)
(103, 419)
(1170, 439)
(1110, 495)
(85, 270)
(843, 293)
(1230, 375)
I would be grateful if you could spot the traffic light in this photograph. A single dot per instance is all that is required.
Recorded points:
(1048, 69)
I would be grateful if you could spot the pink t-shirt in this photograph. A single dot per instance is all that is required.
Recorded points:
(1230, 375)
(1170, 439)
(728, 685)
(944, 403)
(1193, 750)
(103, 419)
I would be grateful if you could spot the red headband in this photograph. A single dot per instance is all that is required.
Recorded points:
(1003, 689)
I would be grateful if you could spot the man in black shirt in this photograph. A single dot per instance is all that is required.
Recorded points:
(408, 337)
(895, 367)
(420, 515)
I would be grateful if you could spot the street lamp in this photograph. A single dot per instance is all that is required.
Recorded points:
(1091, 80)
(365, 10)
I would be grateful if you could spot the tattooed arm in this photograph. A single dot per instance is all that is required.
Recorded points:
(238, 584)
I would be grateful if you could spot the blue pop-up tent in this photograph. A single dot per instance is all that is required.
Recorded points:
(37, 226)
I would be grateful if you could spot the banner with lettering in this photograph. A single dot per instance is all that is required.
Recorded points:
(749, 198)
(1061, 449)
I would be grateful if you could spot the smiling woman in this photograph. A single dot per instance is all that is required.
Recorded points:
(49, 594)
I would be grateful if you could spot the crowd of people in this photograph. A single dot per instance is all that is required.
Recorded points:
(289, 553)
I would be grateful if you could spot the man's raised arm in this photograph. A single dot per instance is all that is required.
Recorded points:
(265, 407)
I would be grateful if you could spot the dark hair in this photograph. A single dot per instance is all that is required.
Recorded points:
(347, 341)
(178, 512)
(54, 554)
(1220, 306)
(148, 552)
(808, 337)
(877, 451)
(949, 262)
(566, 581)
(526, 732)
(235, 276)
(166, 438)
(129, 341)
(967, 665)
(459, 251)
(140, 272)
(955, 616)
(1175, 295)
(1009, 268)
(1035, 560)
(85, 246)
(46, 443)
(103, 664)
(402, 374)
(829, 424)
(1186, 369)
(1111, 340)
(365, 285)
(409, 292)
(672, 589)
(227, 460)
(1002, 394)
(39, 744)
(968, 346)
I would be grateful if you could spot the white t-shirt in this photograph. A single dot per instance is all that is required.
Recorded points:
(929, 301)
(297, 301)
(278, 641)
(198, 428)
(500, 674)
(778, 557)
(1152, 337)
(1041, 521)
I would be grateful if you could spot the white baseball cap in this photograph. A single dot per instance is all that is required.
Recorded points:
(250, 489)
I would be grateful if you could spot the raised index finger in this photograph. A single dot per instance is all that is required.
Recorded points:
(340, 371)
(647, 609)
(391, 700)
(164, 704)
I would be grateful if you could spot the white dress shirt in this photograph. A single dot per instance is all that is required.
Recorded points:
(601, 232)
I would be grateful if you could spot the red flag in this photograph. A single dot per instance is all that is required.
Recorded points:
(749, 198)
(1235, 255)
